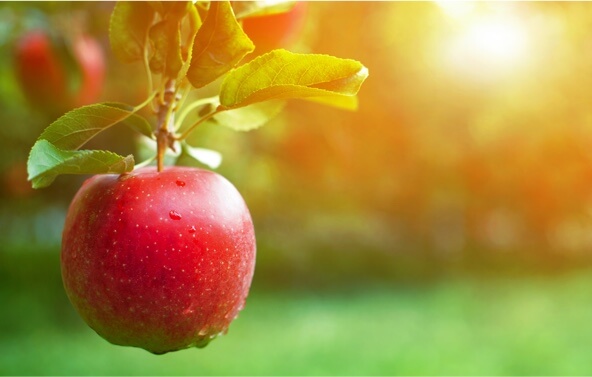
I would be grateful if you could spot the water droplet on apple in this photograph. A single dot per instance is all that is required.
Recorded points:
(192, 229)
(175, 215)
(203, 331)
(180, 183)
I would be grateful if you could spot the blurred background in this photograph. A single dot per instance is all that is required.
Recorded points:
(443, 228)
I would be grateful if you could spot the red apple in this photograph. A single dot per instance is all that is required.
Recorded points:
(273, 31)
(44, 77)
(161, 261)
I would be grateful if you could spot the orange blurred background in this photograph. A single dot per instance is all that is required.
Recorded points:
(470, 147)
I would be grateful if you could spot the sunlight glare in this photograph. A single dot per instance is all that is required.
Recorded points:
(489, 45)
(499, 40)
(456, 9)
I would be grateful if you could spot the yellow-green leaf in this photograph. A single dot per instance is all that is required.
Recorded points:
(281, 74)
(340, 101)
(219, 45)
(166, 42)
(128, 29)
(189, 29)
(174, 9)
(249, 117)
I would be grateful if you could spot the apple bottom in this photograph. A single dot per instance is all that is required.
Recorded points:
(161, 261)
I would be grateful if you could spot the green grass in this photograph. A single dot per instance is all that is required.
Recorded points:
(498, 326)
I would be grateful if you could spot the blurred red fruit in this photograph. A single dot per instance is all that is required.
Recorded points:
(279, 30)
(47, 81)
(15, 180)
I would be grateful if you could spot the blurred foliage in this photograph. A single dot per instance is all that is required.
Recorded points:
(468, 152)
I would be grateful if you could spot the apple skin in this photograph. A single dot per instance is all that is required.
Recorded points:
(279, 30)
(44, 79)
(161, 261)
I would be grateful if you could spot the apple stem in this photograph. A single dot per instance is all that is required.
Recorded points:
(166, 120)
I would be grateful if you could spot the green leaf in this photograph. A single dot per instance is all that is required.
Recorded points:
(46, 162)
(134, 121)
(208, 157)
(128, 29)
(249, 117)
(76, 127)
(244, 9)
(165, 37)
(281, 74)
(166, 41)
(219, 45)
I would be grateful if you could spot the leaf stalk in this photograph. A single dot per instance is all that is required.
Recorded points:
(188, 131)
